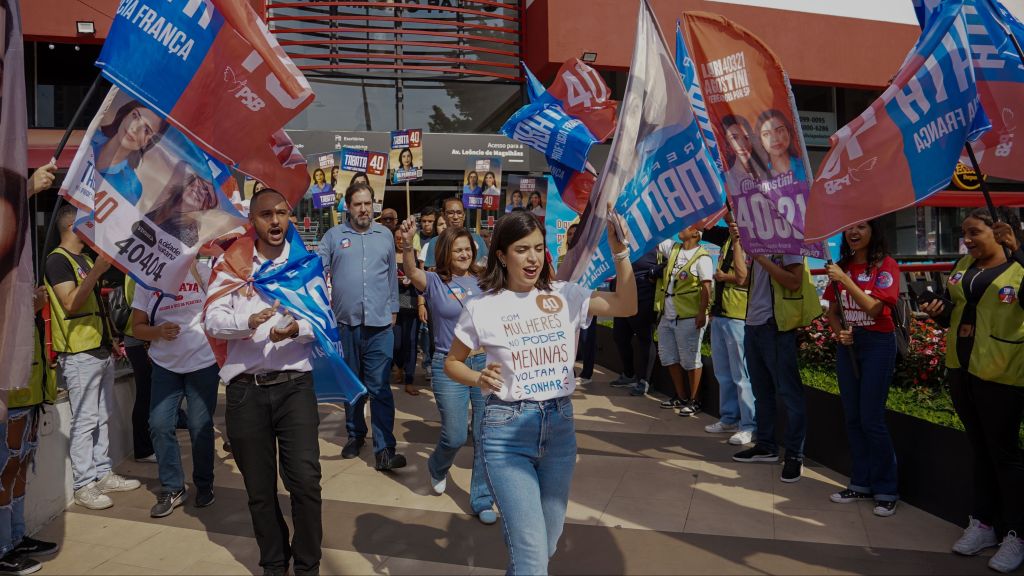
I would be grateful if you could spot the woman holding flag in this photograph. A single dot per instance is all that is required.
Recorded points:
(447, 290)
(984, 314)
(865, 283)
(527, 324)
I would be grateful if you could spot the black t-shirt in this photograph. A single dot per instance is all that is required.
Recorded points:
(59, 270)
(719, 235)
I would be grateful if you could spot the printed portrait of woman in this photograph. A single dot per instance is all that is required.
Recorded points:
(359, 178)
(320, 184)
(741, 158)
(334, 177)
(182, 203)
(780, 144)
(536, 204)
(515, 202)
(119, 146)
(472, 185)
(405, 159)
(490, 187)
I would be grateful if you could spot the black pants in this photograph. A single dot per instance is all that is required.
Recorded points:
(588, 349)
(991, 414)
(143, 371)
(266, 423)
(642, 327)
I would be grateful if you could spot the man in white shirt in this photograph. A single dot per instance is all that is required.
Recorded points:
(271, 405)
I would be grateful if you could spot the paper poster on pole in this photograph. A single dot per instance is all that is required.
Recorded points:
(528, 193)
(481, 184)
(147, 197)
(363, 166)
(406, 156)
(323, 174)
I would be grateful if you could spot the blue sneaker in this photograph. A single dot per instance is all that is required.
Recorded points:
(640, 388)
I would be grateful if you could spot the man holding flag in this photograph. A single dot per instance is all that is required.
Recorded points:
(271, 404)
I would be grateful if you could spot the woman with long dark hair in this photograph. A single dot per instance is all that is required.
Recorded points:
(118, 147)
(527, 324)
(983, 310)
(182, 202)
(447, 290)
(865, 287)
(781, 144)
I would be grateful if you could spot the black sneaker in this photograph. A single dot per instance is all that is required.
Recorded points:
(352, 447)
(690, 408)
(791, 469)
(388, 459)
(35, 548)
(848, 495)
(205, 498)
(885, 508)
(672, 402)
(756, 454)
(18, 565)
(166, 502)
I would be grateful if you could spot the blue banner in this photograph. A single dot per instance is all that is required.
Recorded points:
(547, 128)
(300, 287)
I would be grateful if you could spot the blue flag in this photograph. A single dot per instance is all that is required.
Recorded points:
(547, 128)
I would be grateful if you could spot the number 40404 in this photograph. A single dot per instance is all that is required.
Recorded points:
(137, 253)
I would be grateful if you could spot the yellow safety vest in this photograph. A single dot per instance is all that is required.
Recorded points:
(42, 382)
(793, 309)
(734, 296)
(686, 297)
(998, 352)
(82, 330)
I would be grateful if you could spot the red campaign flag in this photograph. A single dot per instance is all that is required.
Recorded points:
(585, 95)
(575, 187)
(220, 77)
(16, 278)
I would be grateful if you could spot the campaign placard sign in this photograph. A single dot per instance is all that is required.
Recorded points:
(406, 156)
(363, 166)
(323, 175)
(528, 193)
(148, 198)
(481, 183)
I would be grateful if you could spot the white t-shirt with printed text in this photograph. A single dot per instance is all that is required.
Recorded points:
(190, 351)
(704, 268)
(532, 335)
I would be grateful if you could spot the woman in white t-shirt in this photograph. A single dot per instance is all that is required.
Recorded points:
(527, 324)
(183, 366)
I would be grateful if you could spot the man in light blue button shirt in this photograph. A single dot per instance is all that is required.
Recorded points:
(360, 256)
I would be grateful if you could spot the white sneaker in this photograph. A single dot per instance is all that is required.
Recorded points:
(582, 381)
(151, 459)
(742, 437)
(438, 485)
(976, 538)
(720, 428)
(89, 496)
(1010, 554)
(116, 483)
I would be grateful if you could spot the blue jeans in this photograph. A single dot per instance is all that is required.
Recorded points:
(90, 384)
(735, 397)
(19, 436)
(771, 360)
(529, 453)
(200, 387)
(874, 460)
(368, 352)
(453, 400)
(405, 345)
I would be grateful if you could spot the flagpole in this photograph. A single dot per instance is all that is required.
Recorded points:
(89, 95)
(981, 180)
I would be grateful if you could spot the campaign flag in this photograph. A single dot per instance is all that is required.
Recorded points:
(753, 114)
(213, 70)
(546, 127)
(688, 72)
(583, 94)
(659, 175)
(406, 156)
(559, 216)
(906, 145)
(148, 197)
(16, 278)
(574, 187)
(362, 166)
(300, 287)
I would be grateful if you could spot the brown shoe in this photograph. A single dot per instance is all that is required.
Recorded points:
(411, 390)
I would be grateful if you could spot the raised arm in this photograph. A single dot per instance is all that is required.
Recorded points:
(412, 271)
(71, 296)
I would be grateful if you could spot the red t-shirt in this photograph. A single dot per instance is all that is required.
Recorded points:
(882, 283)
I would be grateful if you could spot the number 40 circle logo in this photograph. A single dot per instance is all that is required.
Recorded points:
(549, 303)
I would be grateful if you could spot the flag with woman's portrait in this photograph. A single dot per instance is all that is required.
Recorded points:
(147, 197)
(753, 114)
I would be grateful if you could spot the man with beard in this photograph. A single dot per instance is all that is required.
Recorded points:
(271, 405)
(360, 257)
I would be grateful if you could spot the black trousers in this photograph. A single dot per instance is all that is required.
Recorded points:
(142, 369)
(992, 414)
(640, 326)
(270, 423)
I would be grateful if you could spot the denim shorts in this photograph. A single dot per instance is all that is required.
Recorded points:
(679, 342)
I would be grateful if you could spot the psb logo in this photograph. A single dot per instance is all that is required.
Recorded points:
(955, 278)
(239, 87)
(1007, 295)
(549, 303)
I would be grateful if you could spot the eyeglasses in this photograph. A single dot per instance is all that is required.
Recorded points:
(388, 219)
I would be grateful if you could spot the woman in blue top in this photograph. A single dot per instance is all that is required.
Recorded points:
(118, 147)
(320, 184)
(446, 291)
(780, 144)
